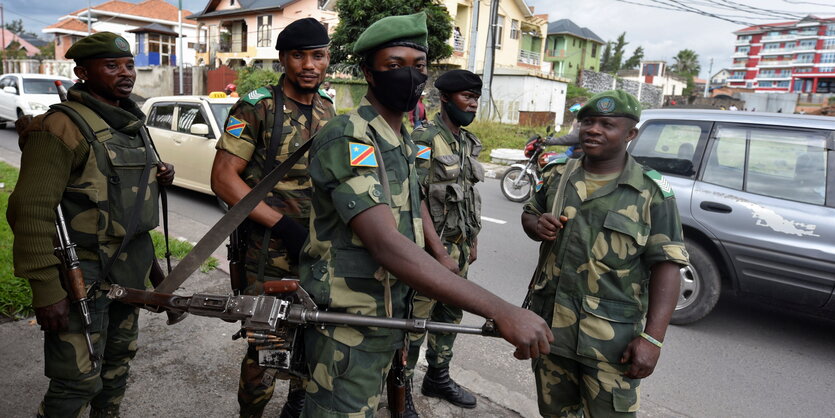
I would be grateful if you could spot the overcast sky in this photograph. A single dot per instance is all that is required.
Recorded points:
(662, 33)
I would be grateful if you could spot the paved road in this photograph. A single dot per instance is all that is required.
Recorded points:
(743, 360)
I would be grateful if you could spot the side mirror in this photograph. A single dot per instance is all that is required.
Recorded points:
(10, 89)
(199, 129)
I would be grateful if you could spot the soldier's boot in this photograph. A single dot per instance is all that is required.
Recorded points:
(438, 384)
(294, 405)
(108, 412)
(411, 411)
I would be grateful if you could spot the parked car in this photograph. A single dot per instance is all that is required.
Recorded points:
(756, 194)
(185, 130)
(28, 94)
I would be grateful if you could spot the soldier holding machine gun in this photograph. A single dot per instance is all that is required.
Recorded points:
(91, 158)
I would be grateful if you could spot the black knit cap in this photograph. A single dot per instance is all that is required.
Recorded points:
(458, 80)
(305, 33)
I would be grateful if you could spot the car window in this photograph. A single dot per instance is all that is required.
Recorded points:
(220, 111)
(778, 162)
(161, 115)
(43, 85)
(671, 147)
(190, 114)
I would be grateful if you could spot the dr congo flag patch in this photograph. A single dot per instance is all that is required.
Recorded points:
(362, 155)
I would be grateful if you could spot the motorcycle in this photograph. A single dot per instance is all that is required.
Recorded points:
(518, 181)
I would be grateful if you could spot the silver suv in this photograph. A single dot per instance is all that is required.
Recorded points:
(756, 194)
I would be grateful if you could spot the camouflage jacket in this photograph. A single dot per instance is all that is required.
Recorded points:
(94, 179)
(448, 169)
(247, 135)
(337, 270)
(594, 285)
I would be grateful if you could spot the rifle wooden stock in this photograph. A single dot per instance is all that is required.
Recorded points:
(396, 384)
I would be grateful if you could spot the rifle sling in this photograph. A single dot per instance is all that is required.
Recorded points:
(224, 227)
(277, 134)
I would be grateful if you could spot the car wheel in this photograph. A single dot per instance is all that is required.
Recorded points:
(700, 286)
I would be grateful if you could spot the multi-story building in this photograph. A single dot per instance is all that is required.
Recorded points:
(570, 49)
(796, 56)
(150, 26)
(238, 33)
(657, 73)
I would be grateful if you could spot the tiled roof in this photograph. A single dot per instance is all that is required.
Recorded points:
(246, 6)
(152, 9)
(571, 28)
(12, 37)
(72, 24)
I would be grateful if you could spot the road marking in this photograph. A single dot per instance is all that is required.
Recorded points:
(494, 220)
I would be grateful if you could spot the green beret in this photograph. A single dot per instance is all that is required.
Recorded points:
(458, 80)
(99, 45)
(408, 30)
(617, 103)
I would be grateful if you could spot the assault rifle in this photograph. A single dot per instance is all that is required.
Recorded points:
(273, 320)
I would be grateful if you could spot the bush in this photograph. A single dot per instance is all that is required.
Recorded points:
(574, 91)
(250, 78)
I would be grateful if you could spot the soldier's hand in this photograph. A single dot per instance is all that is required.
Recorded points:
(643, 355)
(22, 123)
(548, 226)
(526, 330)
(54, 317)
(448, 263)
(165, 174)
(473, 253)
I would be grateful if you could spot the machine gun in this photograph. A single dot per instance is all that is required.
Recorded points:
(272, 321)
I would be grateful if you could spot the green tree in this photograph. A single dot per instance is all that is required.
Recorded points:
(47, 51)
(15, 26)
(250, 78)
(356, 15)
(15, 51)
(635, 60)
(606, 57)
(686, 65)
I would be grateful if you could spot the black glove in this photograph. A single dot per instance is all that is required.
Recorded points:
(292, 234)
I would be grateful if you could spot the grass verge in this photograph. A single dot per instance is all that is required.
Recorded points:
(502, 135)
(179, 249)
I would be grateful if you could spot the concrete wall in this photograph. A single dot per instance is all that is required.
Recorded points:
(512, 94)
(159, 81)
(651, 96)
(769, 102)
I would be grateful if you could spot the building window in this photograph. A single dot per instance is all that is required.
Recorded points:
(594, 50)
(743, 49)
(830, 30)
(807, 44)
(514, 29)
(805, 58)
(164, 45)
(499, 31)
(265, 25)
(231, 2)
(828, 57)
(825, 69)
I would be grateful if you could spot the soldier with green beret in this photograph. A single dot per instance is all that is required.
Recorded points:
(247, 151)
(365, 250)
(448, 170)
(97, 162)
(608, 278)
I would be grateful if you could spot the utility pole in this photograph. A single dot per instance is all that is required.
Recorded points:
(489, 58)
(89, 20)
(640, 81)
(473, 36)
(180, 47)
(3, 36)
(707, 80)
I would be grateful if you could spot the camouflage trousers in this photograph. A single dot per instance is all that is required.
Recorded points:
(73, 383)
(255, 389)
(567, 388)
(344, 382)
(439, 347)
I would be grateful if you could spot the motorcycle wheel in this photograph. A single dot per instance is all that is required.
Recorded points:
(520, 192)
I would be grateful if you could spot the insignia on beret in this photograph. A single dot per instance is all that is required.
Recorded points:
(235, 126)
(121, 43)
(362, 155)
(424, 152)
(606, 105)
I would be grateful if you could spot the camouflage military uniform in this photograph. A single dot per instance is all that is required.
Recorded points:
(94, 179)
(348, 364)
(448, 170)
(594, 286)
(247, 135)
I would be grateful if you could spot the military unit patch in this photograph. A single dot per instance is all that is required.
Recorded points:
(235, 127)
(424, 152)
(362, 155)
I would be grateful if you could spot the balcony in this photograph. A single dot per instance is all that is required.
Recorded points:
(807, 34)
(772, 38)
(774, 77)
(773, 64)
(777, 51)
(555, 53)
(742, 41)
(738, 54)
(804, 62)
(529, 57)
(739, 65)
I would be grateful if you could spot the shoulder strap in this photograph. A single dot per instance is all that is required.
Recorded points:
(92, 126)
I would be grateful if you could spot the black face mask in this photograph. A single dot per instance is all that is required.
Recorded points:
(458, 116)
(398, 89)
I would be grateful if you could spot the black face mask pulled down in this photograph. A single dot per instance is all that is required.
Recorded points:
(458, 116)
(398, 89)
